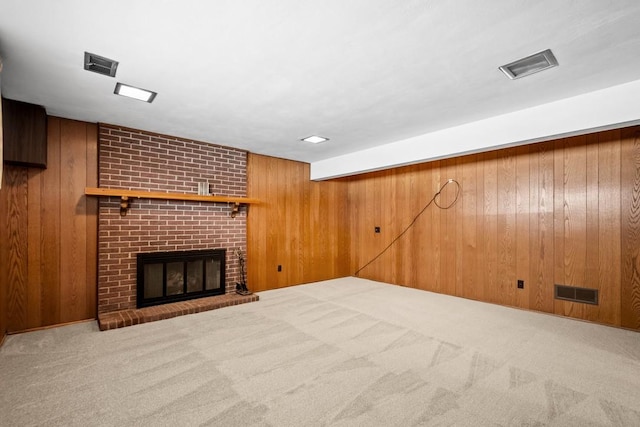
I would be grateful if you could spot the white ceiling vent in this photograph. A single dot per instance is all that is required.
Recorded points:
(100, 64)
(531, 64)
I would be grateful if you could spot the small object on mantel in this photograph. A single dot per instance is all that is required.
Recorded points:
(203, 189)
(235, 209)
(124, 205)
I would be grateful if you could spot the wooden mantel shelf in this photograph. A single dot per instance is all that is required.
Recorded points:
(125, 195)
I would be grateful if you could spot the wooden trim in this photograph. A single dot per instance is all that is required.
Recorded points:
(141, 194)
(57, 325)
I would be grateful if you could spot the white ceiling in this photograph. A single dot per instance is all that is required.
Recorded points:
(260, 75)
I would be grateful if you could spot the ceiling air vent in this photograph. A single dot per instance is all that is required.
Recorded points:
(100, 64)
(570, 293)
(531, 64)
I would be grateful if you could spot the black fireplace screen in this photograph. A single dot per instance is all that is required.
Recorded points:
(178, 276)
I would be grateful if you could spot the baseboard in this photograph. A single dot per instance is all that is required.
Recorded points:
(57, 325)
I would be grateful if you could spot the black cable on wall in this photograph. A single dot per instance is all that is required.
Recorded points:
(434, 200)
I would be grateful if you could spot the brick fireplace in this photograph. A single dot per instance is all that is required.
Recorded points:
(139, 160)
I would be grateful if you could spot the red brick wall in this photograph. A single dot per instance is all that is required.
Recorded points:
(138, 160)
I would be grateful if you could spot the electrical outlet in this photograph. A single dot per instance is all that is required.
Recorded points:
(376, 229)
(520, 284)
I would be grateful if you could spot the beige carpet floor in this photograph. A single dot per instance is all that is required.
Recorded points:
(346, 352)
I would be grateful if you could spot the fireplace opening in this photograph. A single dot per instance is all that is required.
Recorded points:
(165, 277)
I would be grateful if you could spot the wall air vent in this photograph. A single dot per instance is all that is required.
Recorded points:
(570, 293)
(100, 64)
(530, 65)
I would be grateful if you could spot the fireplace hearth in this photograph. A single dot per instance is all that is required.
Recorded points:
(165, 277)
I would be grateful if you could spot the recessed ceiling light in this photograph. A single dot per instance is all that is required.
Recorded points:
(531, 64)
(134, 92)
(315, 139)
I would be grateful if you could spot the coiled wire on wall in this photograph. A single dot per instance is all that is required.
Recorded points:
(434, 200)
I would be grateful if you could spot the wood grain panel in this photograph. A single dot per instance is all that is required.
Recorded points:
(50, 247)
(609, 225)
(387, 217)
(296, 225)
(91, 248)
(570, 212)
(559, 222)
(491, 288)
(436, 238)
(630, 212)
(542, 228)
(448, 228)
(591, 277)
(403, 264)
(73, 227)
(467, 250)
(256, 260)
(17, 254)
(506, 226)
(52, 230)
(523, 224)
(34, 238)
(480, 286)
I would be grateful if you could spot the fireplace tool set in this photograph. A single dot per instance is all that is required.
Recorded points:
(241, 287)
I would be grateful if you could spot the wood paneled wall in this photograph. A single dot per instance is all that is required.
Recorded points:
(299, 224)
(561, 212)
(48, 255)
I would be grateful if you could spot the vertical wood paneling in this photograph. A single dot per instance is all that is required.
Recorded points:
(296, 225)
(402, 263)
(448, 228)
(466, 263)
(50, 249)
(51, 229)
(592, 236)
(609, 226)
(559, 222)
(630, 212)
(4, 254)
(480, 286)
(523, 224)
(257, 227)
(574, 216)
(34, 238)
(491, 289)
(91, 162)
(565, 211)
(423, 231)
(73, 228)
(17, 253)
(542, 226)
(506, 226)
(436, 240)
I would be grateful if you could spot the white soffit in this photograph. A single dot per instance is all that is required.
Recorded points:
(609, 108)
